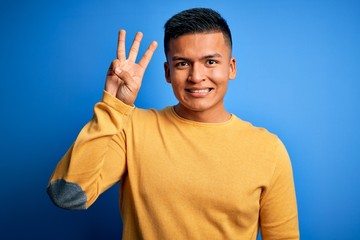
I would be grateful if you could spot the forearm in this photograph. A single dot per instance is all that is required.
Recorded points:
(95, 161)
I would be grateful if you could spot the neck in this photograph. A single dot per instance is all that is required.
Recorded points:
(202, 116)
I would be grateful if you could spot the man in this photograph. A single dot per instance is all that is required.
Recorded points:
(191, 171)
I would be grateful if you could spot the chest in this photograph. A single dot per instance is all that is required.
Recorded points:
(198, 169)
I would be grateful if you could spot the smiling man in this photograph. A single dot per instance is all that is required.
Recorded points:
(199, 67)
(189, 171)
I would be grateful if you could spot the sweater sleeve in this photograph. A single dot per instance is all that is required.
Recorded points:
(95, 161)
(278, 212)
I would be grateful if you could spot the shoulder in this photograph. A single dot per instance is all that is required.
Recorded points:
(140, 113)
(260, 140)
(150, 117)
(255, 132)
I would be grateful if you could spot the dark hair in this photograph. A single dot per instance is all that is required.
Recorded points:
(195, 20)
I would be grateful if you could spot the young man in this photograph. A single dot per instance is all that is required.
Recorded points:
(191, 171)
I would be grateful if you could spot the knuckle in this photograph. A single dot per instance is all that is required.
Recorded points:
(114, 63)
(133, 49)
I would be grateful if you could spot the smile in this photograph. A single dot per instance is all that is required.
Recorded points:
(205, 90)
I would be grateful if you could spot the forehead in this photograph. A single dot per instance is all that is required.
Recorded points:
(201, 44)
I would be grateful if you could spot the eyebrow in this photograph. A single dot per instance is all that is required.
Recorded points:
(215, 55)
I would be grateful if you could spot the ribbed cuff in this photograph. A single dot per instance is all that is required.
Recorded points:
(116, 103)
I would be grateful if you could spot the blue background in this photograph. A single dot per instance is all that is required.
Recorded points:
(298, 76)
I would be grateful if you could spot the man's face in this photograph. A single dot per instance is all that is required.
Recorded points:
(199, 67)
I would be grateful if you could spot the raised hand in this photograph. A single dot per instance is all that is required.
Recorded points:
(124, 76)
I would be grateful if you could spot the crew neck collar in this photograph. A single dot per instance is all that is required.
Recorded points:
(193, 122)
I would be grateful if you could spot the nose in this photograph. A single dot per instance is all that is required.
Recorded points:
(197, 73)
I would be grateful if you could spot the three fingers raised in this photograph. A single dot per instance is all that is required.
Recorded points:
(134, 50)
(124, 76)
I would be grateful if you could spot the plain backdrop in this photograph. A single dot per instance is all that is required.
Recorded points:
(298, 76)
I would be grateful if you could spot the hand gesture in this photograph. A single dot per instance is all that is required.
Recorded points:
(124, 76)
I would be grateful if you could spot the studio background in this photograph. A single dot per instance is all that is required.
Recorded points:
(298, 76)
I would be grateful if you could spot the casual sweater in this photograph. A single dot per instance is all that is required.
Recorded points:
(180, 179)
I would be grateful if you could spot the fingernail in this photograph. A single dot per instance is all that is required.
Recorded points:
(117, 71)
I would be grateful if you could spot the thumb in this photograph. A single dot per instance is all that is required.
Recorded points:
(126, 78)
(128, 87)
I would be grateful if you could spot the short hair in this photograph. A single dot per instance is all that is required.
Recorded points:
(195, 20)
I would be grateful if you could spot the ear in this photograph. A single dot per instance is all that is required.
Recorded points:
(232, 68)
(167, 72)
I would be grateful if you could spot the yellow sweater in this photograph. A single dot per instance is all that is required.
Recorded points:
(180, 179)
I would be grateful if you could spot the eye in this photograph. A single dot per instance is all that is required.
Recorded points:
(211, 62)
(182, 64)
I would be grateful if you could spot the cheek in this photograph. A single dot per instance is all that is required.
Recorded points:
(177, 85)
(219, 75)
(179, 77)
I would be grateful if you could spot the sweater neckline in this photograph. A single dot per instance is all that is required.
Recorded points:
(171, 110)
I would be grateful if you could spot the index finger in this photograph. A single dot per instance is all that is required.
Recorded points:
(121, 51)
(144, 61)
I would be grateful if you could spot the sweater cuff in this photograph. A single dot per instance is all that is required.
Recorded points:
(116, 103)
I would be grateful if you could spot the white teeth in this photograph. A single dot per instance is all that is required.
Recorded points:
(199, 90)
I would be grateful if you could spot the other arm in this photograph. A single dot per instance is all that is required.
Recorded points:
(278, 212)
